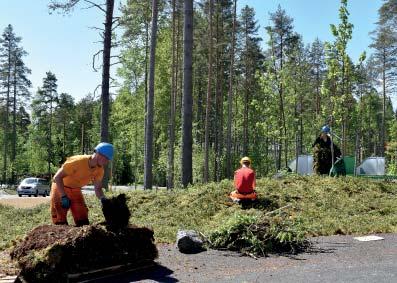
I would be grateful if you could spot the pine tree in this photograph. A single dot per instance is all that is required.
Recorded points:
(148, 174)
(281, 39)
(385, 58)
(43, 105)
(171, 128)
(230, 97)
(209, 94)
(187, 107)
(14, 83)
(64, 122)
(317, 72)
(21, 85)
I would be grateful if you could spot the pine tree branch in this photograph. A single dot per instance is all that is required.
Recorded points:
(96, 89)
(115, 63)
(95, 5)
(97, 28)
(94, 59)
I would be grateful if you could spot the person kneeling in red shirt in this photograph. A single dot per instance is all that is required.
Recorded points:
(244, 182)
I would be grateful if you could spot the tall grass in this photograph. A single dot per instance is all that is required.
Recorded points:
(315, 206)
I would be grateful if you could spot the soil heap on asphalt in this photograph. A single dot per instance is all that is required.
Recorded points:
(50, 252)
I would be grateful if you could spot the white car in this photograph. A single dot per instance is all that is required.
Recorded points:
(33, 186)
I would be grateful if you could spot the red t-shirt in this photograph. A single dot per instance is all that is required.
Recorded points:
(244, 180)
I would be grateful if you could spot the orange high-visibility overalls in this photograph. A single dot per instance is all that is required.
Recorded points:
(245, 183)
(78, 174)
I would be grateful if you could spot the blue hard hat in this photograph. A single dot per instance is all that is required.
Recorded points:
(325, 129)
(106, 149)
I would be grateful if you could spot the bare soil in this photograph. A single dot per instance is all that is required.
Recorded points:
(48, 253)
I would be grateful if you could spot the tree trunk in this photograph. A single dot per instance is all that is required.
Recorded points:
(200, 112)
(218, 94)
(230, 100)
(178, 65)
(146, 79)
(246, 93)
(171, 130)
(50, 135)
(220, 132)
(148, 174)
(14, 124)
(282, 111)
(7, 114)
(107, 45)
(208, 105)
(383, 126)
(187, 150)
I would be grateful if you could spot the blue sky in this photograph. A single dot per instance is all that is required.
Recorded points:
(65, 44)
(312, 18)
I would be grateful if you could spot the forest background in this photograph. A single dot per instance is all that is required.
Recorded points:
(266, 100)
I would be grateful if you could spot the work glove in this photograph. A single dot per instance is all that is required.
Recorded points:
(65, 202)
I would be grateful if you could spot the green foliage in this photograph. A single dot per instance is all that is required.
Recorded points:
(258, 235)
(391, 153)
(128, 132)
(282, 95)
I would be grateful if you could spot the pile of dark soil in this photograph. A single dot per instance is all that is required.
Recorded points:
(50, 252)
(116, 212)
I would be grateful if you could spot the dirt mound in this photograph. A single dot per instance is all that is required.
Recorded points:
(42, 237)
(116, 212)
(50, 252)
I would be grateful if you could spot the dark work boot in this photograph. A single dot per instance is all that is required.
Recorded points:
(82, 222)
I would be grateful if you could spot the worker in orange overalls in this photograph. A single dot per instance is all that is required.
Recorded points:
(76, 172)
(244, 182)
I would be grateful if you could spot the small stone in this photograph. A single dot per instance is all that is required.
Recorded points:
(189, 242)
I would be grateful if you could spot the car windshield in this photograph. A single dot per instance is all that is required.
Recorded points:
(29, 181)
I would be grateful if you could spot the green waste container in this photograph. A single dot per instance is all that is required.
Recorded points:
(343, 166)
(349, 165)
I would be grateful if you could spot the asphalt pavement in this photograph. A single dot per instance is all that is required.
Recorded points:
(331, 259)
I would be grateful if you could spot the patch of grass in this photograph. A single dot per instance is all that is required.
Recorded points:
(15, 223)
(316, 206)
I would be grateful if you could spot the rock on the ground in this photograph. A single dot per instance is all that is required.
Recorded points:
(189, 241)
